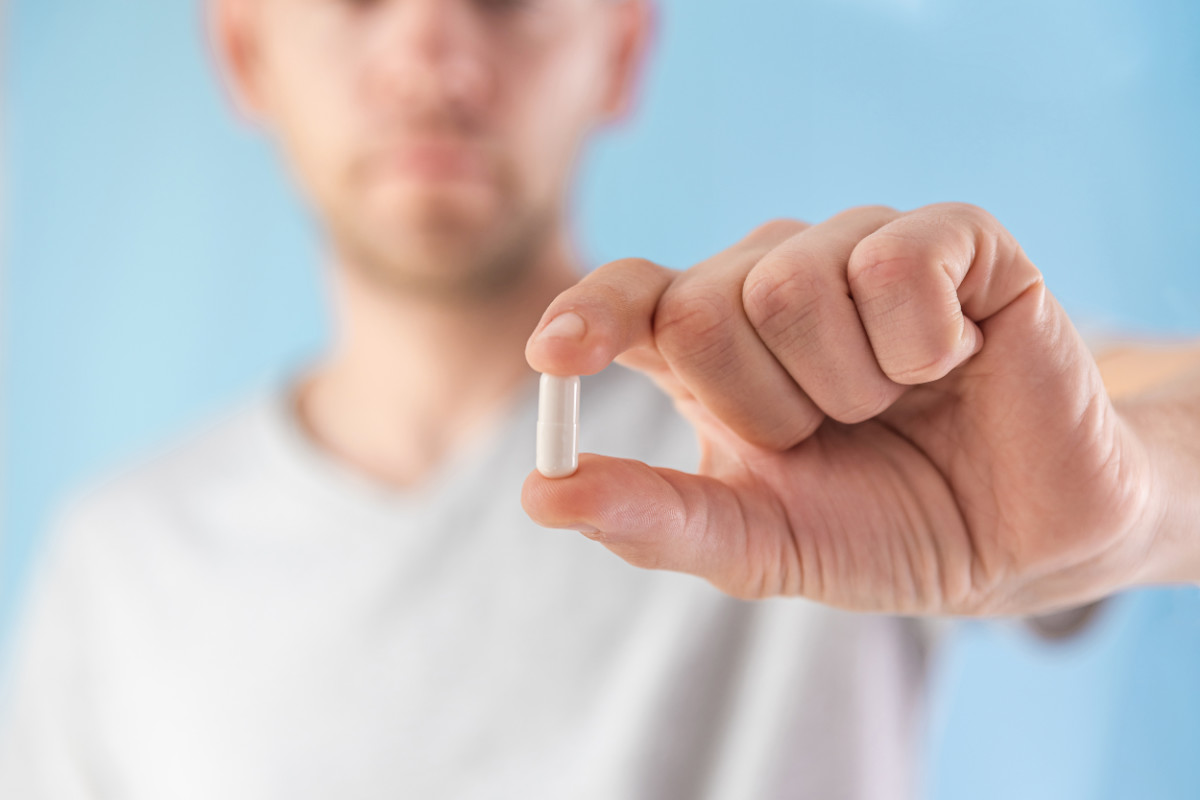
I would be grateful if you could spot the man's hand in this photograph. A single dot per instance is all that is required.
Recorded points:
(894, 415)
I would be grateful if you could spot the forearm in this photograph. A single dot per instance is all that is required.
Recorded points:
(1160, 401)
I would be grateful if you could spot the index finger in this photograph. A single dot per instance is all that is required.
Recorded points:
(607, 313)
(611, 311)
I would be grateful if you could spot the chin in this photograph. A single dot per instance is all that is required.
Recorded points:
(453, 277)
(445, 206)
(446, 241)
(438, 255)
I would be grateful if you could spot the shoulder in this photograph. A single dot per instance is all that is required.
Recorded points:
(212, 458)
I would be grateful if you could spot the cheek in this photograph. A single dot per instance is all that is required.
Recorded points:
(552, 104)
(312, 116)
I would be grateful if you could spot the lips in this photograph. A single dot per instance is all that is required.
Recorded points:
(439, 161)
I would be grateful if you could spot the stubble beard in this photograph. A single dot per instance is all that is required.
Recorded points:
(447, 265)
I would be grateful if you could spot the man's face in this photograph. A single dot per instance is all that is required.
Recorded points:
(436, 138)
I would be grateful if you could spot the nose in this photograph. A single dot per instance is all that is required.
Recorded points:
(429, 57)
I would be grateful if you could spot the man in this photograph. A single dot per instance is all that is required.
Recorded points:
(334, 592)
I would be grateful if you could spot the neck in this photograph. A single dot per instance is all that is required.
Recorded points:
(410, 380)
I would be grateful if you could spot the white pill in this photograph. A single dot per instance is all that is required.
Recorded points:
(558, 426)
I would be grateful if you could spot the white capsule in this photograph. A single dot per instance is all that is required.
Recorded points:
(558, 426)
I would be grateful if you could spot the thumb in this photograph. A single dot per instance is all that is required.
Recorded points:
(664, 519)
(608, 312)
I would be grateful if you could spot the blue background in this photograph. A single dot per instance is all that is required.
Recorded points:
(156, 265)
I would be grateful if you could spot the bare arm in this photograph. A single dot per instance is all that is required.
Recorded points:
(1157, 389)
(1133, 372)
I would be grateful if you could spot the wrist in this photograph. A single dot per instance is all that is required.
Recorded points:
(1167, 430)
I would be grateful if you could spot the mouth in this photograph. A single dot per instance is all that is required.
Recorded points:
(434, 161)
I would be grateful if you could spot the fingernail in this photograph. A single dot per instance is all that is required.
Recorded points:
(567, 325)
(579, 527)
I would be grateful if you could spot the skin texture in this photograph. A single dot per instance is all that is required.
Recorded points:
(894, 415)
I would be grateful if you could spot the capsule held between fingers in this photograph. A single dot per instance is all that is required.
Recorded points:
(558, 425)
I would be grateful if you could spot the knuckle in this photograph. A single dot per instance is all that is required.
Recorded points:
(967, 212)
(783, 297)
(692, 322)
(621, 272)
(607, 294)
(620, 279)
(615, 285)
(778, 228)
(631, 264)
(883, 258)
(972, 223)
(878, 211)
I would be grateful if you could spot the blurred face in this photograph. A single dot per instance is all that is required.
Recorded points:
(436, 138)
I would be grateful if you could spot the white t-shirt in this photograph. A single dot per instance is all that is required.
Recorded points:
(241, 616)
